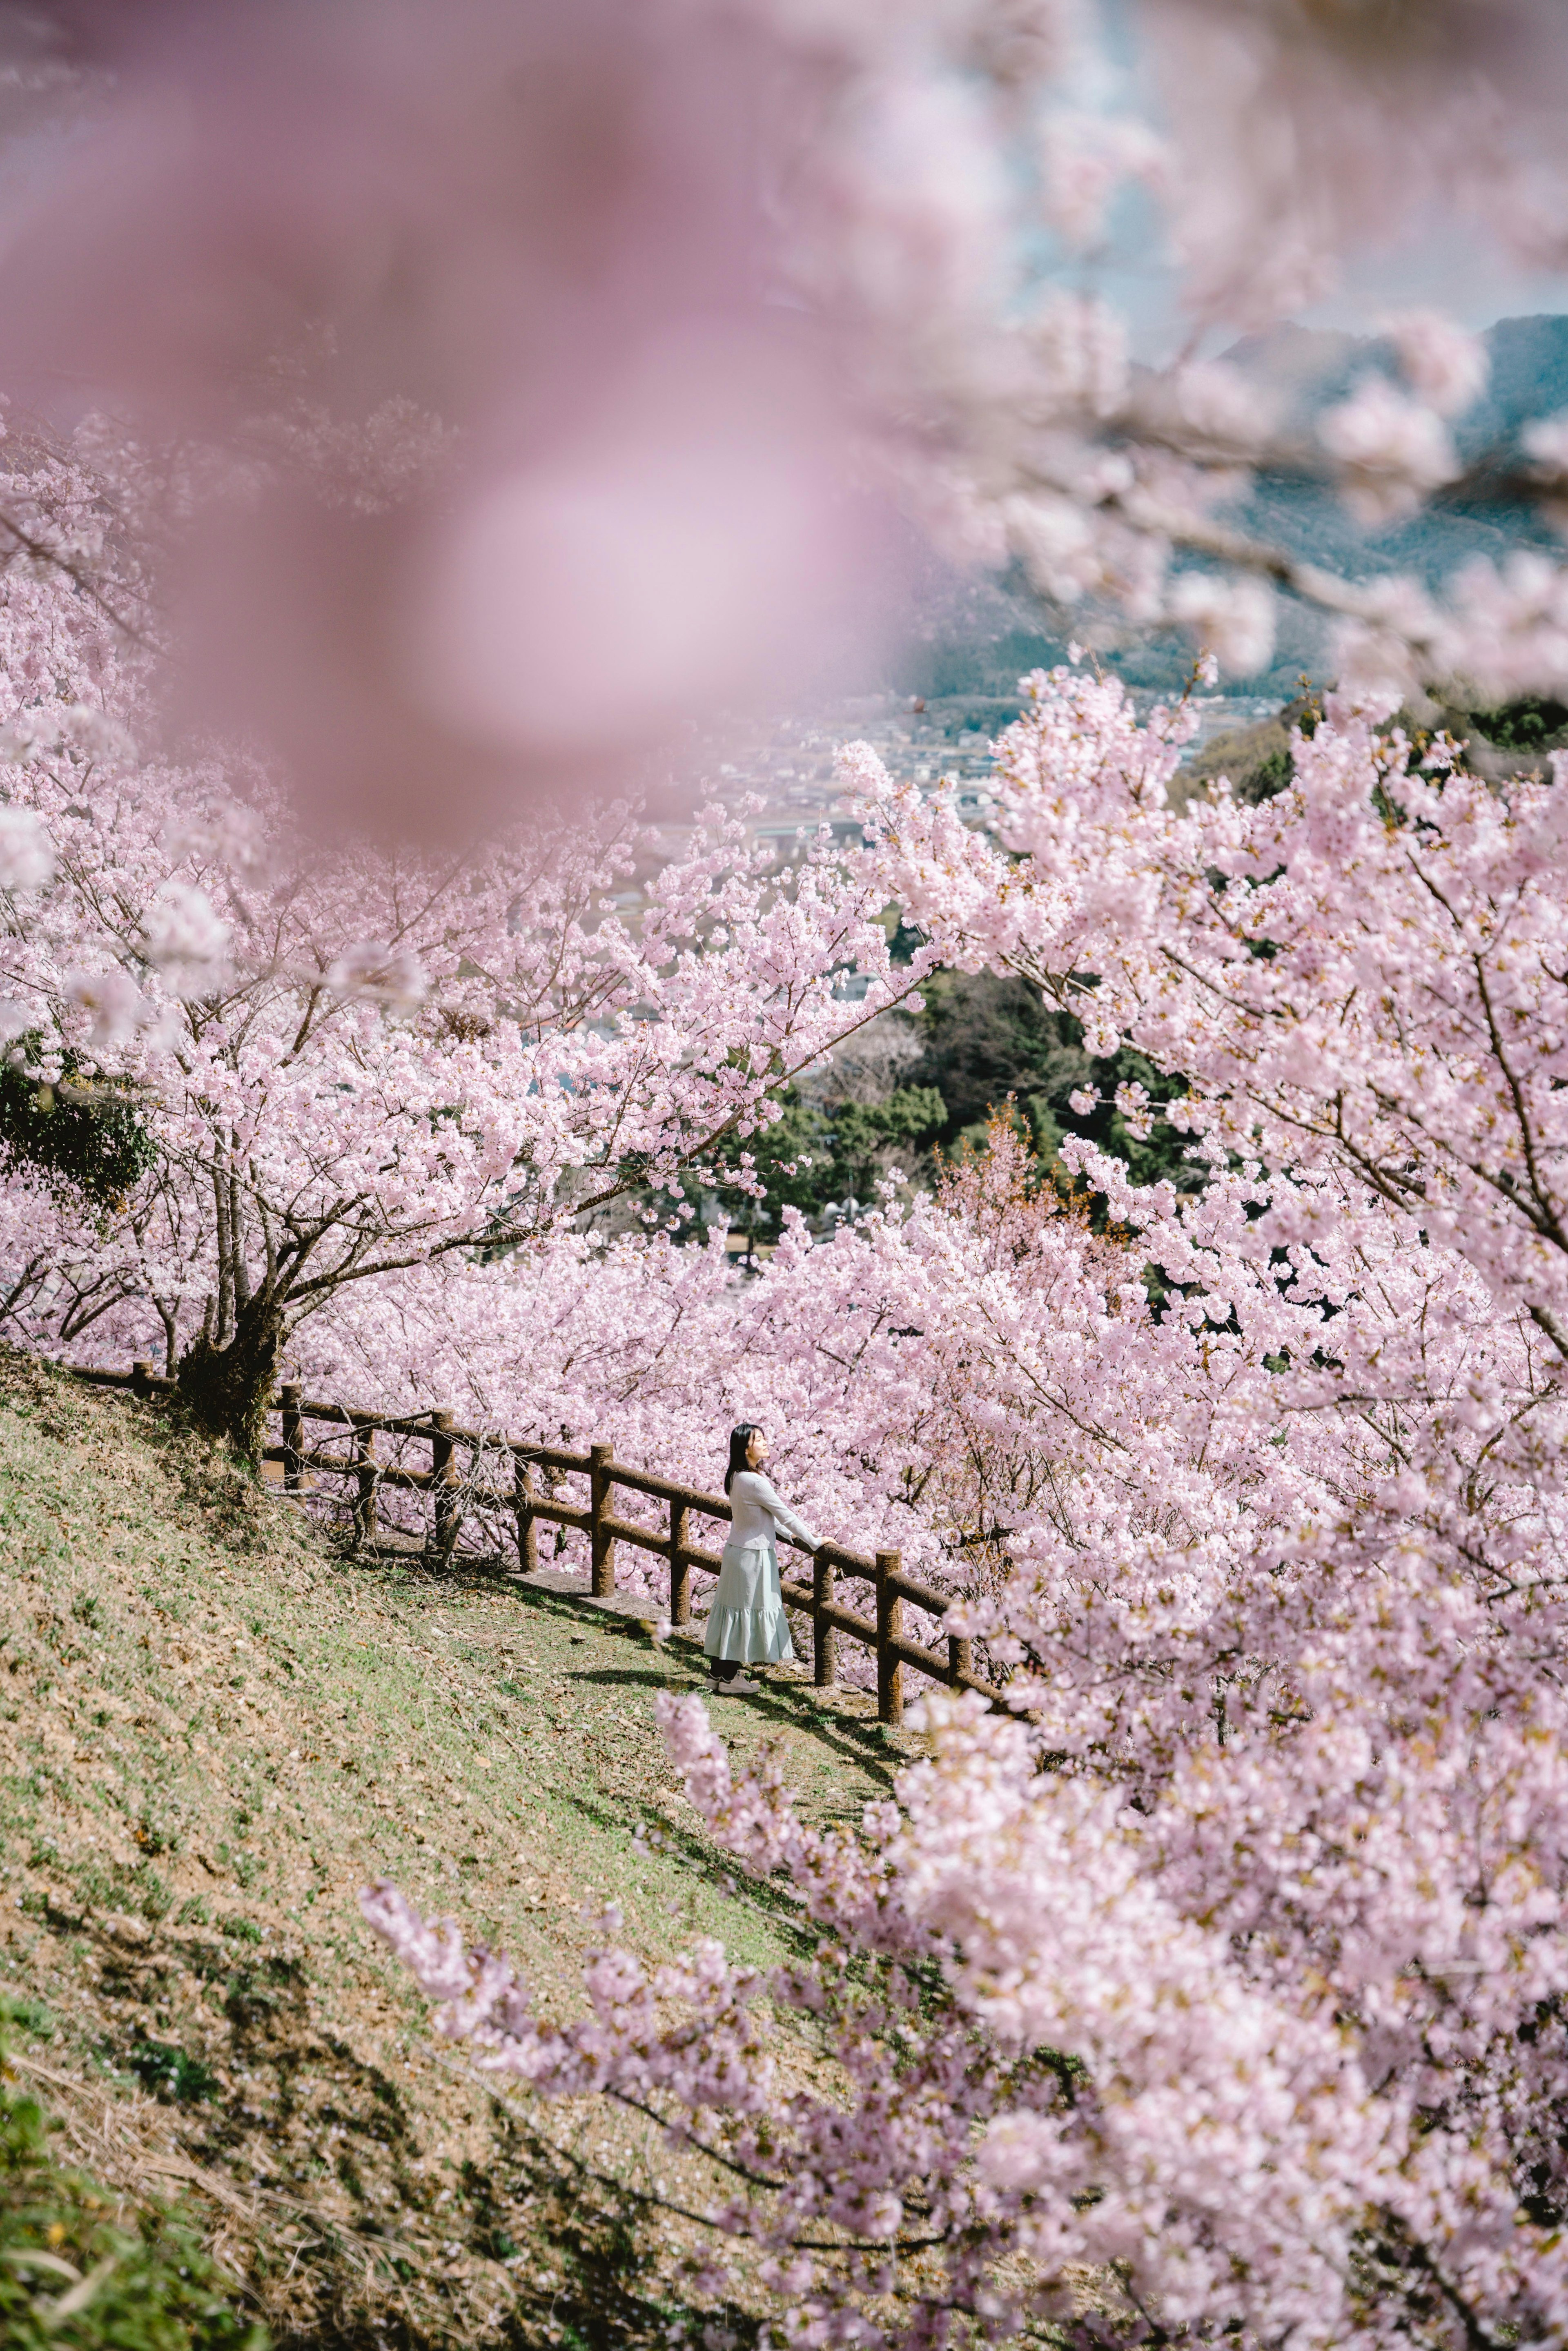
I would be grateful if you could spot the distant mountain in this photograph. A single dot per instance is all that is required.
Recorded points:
(976, 637)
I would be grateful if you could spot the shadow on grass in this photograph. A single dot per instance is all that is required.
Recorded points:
(693, 1850)
(799, 1705)
(780, 1709)
(783, 1706)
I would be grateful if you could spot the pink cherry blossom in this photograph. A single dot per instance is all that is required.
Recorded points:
(1394, 450)
(1234, 618)
(1446, 366)
(1274, 1568)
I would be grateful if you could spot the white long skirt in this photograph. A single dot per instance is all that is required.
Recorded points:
(747, 1623)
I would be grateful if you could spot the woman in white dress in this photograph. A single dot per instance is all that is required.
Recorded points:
(747, 1625)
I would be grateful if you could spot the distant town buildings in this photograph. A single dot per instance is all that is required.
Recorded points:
(788, 765)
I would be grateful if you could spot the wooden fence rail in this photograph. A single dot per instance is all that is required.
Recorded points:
(527, 1505)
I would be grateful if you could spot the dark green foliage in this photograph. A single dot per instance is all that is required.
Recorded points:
(991, 1038)
(817, 1154)
(988, 1037)
(1271, 774)
(80, 1136)
(991, 1045)
(905, 942)
(72, 2275)
(1531, 724)
(171, 2074)
(861, 1136)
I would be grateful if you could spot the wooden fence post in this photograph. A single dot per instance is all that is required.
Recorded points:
(824, 1636)
(523, 1502)
(960, 1657)
(888, 1628)
(142, 1377)
(680, 1566)
(370, 1479)
(291, 1396)
(444, 1481)
(602, 1493)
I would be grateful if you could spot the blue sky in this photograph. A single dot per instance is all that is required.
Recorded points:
(1452, 268)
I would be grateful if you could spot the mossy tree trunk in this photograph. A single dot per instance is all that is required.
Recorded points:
(227, 1388)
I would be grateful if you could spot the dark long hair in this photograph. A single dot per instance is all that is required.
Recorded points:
(740, 1440)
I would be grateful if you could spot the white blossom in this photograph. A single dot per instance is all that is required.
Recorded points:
(1137, 1110)
(184, 937)
(379, 975)
(1444, 364)
(1394, 450)
(27, 854)
(113, 1003)
(1233, 619)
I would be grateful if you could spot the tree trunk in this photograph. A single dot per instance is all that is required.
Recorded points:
(228, 1389)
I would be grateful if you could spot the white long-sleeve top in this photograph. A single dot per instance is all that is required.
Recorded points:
(758, 1512)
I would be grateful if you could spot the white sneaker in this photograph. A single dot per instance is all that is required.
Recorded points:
(736, 1686)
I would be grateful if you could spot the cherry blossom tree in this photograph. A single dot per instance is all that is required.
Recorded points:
(349, 1059)
(351, 1063)
(914, 1370)
(1215, 1983)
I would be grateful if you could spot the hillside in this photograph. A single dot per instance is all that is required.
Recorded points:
(213, 1731)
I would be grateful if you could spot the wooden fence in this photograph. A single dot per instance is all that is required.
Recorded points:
(527, 1505)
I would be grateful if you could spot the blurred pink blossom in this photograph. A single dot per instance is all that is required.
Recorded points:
(1056, 542)
(1303, 133)
(184, 937)
(1223, 406)
(1080, 345)
(1233, 619)
(1087, 158)
(519, 464)
(26, 855)
(1446, 366)
(1393, 450)
(1373, 657)
(115, 1006)
(379, 975)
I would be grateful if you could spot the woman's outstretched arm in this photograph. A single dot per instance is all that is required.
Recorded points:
(787, 1521)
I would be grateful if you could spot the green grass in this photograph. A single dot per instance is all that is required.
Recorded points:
(213, 1732)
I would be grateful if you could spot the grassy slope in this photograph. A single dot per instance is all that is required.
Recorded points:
(212, 1732)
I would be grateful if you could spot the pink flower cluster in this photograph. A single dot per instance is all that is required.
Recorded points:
(351, 1060)
(1217, 1986)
